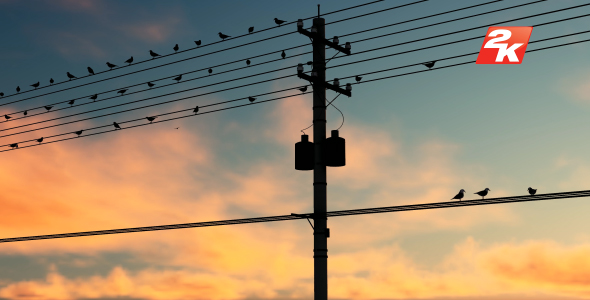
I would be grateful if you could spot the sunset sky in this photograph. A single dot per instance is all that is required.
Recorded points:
(410, 139)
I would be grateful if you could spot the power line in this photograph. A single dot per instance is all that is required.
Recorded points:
(274, 52)
(173, 62)
(265, 101)
(369, 59)
(338, 213)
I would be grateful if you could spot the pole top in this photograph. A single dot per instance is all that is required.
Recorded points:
(318, 11)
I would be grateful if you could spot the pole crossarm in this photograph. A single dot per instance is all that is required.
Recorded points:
(399, 208)
(327, 85)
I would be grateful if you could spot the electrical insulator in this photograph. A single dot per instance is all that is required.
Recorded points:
(336, 40)
(349, 87)
(335, 150)
(299, 68)
(314, 29)
(304, 154)
(300, 23)
(336, 82)
(347, 46)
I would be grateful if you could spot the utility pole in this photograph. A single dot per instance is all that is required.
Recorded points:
(318, 81)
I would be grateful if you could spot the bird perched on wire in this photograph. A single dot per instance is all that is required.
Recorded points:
(176, 127)
(151, 85)
(430, 64)
(129, 61)
(198, 43)
(223, 36)
(35, 85)
(248, 62)
(111, 65)
(358, 78)
(15, 145)
(251, 29)
(93, 97)
(48, 107)
(154, 54)
(90, 71)
(196, 110)
(51, 81)
(283, 55)
(25, 112)
(303, 89)
(210, 70)
(70, 76)
(532, 191)
(251, 99)
(78, 133)
(279, 22)
(71, 102)
(7, 117)
(175, 48)
(1, 95)
(116, 125)
(483, 193)
(151, 119)
(40, 140)
(18, 89)
(122, 91)
(178, 78)
(460, 195)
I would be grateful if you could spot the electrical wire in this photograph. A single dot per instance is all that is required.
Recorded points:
(292, 216)
(182, 60)
(274, 52)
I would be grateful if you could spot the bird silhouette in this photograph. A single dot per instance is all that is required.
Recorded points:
(283, 55)
(309, 63)
(196, 110)
(176, 48)
(247, 61)
(251, 99)
(51, 81)
(303, 89)
(483, 193)
(532, 191)
(111, 65)
(129, 61)
(151, 119)
(176, 127)
(279, 22)
(154, 54)
(18, 89)
(40, 140)
(70, 76)
(430, 64)
(15, 145)
(71, 102)
(178, 78)
(223, 36)
(210, 70)
(78, 133)
(358, 78)
(198, 43)
(1, 94)
(25, 112)
(460, 195)
(35, 85)
(150, 84)
(48, 107)
(122, 91)
(116, 125)
(251, 29)
(7, 117)
(93, 97)
(90, 71)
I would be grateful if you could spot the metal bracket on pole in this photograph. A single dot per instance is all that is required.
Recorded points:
(330, 86)
(304, 216)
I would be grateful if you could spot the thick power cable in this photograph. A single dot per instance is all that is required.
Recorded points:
(292, 216)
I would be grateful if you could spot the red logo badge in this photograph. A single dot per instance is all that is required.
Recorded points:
(504, 45)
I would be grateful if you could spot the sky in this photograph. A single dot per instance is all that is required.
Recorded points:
(410, 139)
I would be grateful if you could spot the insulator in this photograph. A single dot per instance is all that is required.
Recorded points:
(300, 23)
(304, 154)
(336, 82)
(299, 68)
(349, 87)
(335, 150)
(336, 40)
(347, 46)
(314, 29)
